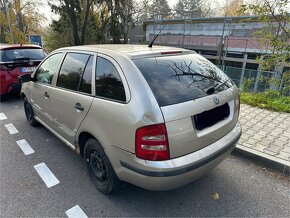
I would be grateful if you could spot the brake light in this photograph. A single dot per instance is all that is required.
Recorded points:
(152, 142)
(171, 52)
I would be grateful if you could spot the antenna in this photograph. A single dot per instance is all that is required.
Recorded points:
(151, 43)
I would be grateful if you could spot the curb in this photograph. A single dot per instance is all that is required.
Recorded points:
(263, 159)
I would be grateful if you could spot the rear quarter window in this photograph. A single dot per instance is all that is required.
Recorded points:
(176, 79)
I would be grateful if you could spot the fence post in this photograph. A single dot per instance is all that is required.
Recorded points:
(243, 69)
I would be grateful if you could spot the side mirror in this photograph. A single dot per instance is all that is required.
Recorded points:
(24, 78)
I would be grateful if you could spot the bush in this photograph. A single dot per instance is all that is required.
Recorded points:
(270, 99)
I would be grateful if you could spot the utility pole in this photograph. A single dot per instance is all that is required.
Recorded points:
(8, 20)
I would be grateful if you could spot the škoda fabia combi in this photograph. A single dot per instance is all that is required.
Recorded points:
(156, 117)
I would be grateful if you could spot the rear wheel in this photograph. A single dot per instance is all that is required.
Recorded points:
(2, 97)
(100, 168)
(29, 113)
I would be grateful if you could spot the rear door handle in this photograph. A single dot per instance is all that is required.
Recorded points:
(79, 107)
(46, 95)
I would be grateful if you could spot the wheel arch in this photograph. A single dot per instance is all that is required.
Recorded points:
(82, 138)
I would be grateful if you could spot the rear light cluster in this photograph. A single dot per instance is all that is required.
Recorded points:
(152, 143)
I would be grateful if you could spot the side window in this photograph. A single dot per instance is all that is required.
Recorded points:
(86, 81)
(47, 69)
(108, 81)
(72, 70)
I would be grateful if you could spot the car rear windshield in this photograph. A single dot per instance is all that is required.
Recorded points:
(176, 79)
(10, 55)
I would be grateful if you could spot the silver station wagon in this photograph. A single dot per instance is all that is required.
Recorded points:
(157, 118)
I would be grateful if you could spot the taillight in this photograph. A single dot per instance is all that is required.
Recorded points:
(152, 142)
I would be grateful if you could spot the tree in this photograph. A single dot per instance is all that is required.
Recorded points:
(234, 8)
(159, 9)
(191, 8)
(24, 18)
(275, 35)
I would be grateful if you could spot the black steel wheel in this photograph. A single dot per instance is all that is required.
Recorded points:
(100, 168)
(29, 113)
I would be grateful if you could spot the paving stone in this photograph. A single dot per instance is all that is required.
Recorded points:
(262, 133)
(279, 143)
(274, 133)
(273, 148)
(258, 137)
(270, 152)
(265, 142)
(250, 132)
(284, 156)
(283, 126)
(283, 138)
(286, 149)
(259, 147)
(260, 125)
(246, 144)
(245, 136)
(252, 141)
(270, 137)
(279, 129)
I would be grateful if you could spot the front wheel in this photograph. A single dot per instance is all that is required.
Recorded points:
(100, 168)
(29, 113)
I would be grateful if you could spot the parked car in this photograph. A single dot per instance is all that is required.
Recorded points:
(16, 60)
(157, 118)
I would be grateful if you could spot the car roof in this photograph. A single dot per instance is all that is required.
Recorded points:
(131, 51)
(13, 46)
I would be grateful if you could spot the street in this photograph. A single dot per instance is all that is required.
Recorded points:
(244, 188)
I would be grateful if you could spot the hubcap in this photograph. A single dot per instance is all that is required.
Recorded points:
(98, 167)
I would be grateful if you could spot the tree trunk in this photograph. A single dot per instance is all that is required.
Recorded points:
(70, 9)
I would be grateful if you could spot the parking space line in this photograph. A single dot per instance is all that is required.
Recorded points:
(11, 128)
(2, 116)
(25, 147)
(76, 212)
(46, 175)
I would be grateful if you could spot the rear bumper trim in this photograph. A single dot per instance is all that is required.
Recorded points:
(187, 169)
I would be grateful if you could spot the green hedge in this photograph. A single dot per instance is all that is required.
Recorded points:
(268, 100)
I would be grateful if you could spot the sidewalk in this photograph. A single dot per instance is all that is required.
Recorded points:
(265, 138)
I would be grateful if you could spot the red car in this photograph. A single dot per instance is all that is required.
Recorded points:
(16, 60)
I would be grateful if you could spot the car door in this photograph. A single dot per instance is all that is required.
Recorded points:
(39, 90)
(71, 97)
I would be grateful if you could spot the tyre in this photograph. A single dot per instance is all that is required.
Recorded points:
(29, 113)
(3, 97)
(100, 168)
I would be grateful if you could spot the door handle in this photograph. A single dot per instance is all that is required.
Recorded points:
(46, 95)
(79, 107)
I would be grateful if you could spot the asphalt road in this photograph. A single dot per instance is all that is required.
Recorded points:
(244, 188)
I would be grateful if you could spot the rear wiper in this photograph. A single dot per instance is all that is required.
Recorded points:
(214, 88)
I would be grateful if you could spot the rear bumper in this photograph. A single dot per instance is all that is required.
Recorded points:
(164, 175)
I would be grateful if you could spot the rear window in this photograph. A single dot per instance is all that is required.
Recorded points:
(8, 55)
(176, 79)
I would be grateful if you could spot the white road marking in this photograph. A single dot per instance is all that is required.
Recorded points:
(2, 116)
(25, 147)
(11, 128)
(76, 212)
(46, 175)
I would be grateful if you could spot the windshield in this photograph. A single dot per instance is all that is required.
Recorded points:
(8, 55)
(176, 79)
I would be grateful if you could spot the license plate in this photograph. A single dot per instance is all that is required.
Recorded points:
(27, 69)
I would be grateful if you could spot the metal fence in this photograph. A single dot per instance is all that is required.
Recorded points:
(257, 81)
